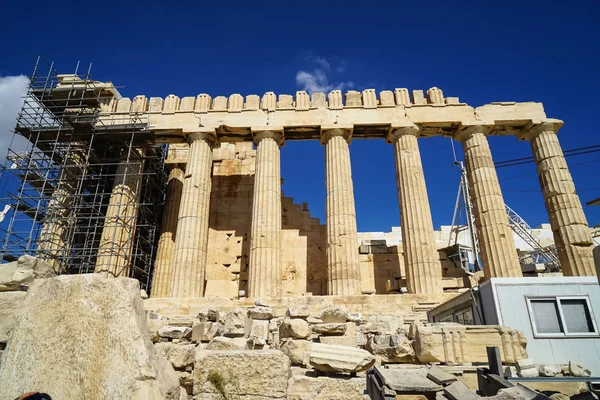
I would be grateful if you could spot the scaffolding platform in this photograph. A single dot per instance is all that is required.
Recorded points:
(59, 187)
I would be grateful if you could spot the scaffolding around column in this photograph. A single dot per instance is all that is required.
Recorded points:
(61, 168)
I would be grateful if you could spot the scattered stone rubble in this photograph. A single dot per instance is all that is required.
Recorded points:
(255, 352)
(327, 352)
(18, 275)
(527, 368)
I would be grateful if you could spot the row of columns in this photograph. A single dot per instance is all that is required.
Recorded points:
(182, 251)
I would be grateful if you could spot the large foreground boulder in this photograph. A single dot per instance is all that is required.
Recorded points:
(241, 375)
(84, 337)
(9, 303)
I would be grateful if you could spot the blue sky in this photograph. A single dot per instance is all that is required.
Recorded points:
(479, 51)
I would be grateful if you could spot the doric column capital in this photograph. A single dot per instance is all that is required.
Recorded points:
(398, 131)
(208, 137)
(534, 128)
(466, 130)
(332, 131)
(173, 166)
(275, 133)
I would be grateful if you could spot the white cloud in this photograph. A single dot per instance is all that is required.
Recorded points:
(341, 68)
(317, 80)
(323, 63)
(12, 90)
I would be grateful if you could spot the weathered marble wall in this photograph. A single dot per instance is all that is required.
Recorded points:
(304, 264)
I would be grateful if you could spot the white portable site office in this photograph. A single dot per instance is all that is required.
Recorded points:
(560, 316)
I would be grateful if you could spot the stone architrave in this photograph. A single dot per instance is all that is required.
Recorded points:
(342, 239)
(163, 267)
(421, 259)
(116, 242)
(571, 232)
(191, 239)
(497, 246)
(265, 238)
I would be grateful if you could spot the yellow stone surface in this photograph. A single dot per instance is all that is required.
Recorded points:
(572, 236)
(163, 267)
(421, 259)
(496, 243)
(342, 239)
(191, 239)
(265, 235)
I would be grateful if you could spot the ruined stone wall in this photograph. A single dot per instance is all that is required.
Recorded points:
(381, 260)
(304, 260)
(382, 267)
(303, 256)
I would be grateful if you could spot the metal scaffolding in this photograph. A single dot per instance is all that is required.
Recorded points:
(59, 186)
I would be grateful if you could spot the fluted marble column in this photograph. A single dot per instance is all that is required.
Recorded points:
(116, 242)
(163, 267)
(264, 278)
(53, 243)
(569, 225)
(342, 238)
(496, 243)
(191, 240)
(421, 259)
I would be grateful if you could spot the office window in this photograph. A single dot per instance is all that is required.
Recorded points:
(546, 316)
(577, 316)
(561, 316)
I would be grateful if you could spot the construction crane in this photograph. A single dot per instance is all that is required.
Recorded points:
(539, 255)
(463, 194)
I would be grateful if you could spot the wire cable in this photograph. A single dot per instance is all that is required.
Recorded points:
(538, 191)
(535, 173)
(567, 153)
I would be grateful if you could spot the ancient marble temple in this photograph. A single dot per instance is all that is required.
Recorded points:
(228, 229)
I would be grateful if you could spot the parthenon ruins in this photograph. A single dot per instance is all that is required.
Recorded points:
(162, 223)
(219, 225)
